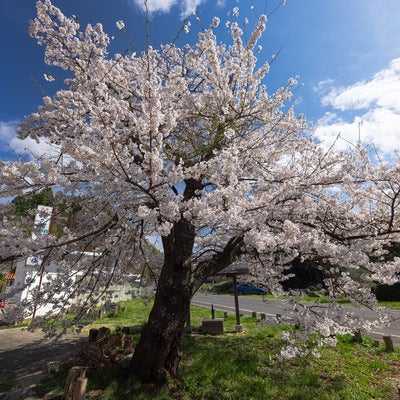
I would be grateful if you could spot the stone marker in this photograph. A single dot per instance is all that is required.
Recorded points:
(239, 328)
(213, 326)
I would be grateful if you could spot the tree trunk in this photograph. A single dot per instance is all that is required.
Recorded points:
(159, 349)
(158, 352)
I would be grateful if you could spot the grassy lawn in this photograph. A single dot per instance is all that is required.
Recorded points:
(246, 366)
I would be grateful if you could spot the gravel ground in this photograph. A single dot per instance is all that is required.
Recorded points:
(25, 358)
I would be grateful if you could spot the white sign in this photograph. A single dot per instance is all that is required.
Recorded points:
(33, 261)
(42, 221)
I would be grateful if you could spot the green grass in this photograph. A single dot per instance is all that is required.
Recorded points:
(394, 305)
(246, 366)
(132, 313)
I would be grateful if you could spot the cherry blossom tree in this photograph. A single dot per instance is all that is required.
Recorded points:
(187, 143)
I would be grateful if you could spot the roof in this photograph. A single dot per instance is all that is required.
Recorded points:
(237, 268)
(10, 276)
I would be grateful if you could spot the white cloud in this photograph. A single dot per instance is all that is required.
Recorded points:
(165, 6)
(323, 86)
(382, 90)
(27, 147)
(376, 103)
(7, 130)
(379, 127)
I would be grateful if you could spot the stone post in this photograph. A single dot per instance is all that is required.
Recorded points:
(388, 343)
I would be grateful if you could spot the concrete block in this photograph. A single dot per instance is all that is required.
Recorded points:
(213, 326)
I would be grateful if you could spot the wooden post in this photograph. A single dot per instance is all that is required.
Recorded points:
(254, 314)
(357, 336)
(388, 343)
(80, 389)
(188, 321)
(235, 292)
(188, 327)
(74, 374)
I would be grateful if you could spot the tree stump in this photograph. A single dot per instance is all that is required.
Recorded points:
(93, 333)
(74, 374)
(119, 339)
(103, 335)
(80, 389)
(125, 330)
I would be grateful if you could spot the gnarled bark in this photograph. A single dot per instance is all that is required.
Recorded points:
(158, 352)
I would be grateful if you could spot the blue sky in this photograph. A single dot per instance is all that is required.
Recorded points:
(346, 53)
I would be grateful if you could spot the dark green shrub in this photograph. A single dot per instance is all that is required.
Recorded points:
(387, 292)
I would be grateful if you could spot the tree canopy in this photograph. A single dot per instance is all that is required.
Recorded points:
(187, 143)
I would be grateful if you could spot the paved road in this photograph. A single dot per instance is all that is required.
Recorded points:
(24, 358)
(271, 308)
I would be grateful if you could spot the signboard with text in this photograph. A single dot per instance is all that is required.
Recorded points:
(41, 227)
(42, 221)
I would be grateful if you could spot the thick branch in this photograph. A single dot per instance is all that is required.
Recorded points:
(219, 261)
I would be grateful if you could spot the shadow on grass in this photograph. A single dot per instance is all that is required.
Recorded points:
(246, 366)
(240, 367)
